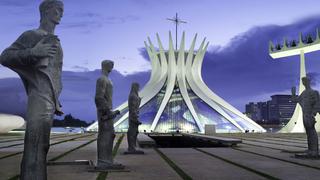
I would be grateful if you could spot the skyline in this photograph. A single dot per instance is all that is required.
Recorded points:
(238, 43)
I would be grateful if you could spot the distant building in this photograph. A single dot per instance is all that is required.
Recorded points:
(253, 112)
(281, 108)
(276, 111)
(258, 111)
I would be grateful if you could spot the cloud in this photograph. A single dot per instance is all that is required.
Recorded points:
(88, 21)
(243, 71)
(77, 96)
(81, 25)
(143, 52)
(120, 20)
(314, 78)
(240, 72)
(244, 68)
(80, 68)
(87, 15)
(12, 95)
(15, 3)
(154, 4)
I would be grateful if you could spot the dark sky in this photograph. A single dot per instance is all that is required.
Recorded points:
(236, 66)
(240, 72)
(92, 30)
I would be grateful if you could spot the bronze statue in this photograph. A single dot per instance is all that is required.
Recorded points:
(37, 57)
(309, 101)
(106, 133)
(134, 104)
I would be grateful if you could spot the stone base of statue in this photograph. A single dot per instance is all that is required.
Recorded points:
(293, 152)
(307, 156)
(71, 163)
(133, 152)
(108, 167)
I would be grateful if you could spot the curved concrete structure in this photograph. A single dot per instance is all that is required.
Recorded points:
(176, 98)
(9, 122)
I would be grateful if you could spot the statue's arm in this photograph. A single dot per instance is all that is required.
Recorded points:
(295, 98)
(316, 107)
(100, 99)
(18, 54)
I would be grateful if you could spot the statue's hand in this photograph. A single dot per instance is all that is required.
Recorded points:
(314, 113)
(58, 113)
(42, 49)
(117, 112)
(114, 114)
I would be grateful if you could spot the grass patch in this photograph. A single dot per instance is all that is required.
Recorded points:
(102, 176)
(71, 150)
(116, 147)
(284, 160)
(175, 167)
(12, 134)
(12, 145)
(16, 177)
(72, 139)
(21, 139)
(9, 155)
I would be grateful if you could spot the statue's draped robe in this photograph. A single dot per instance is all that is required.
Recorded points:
(309, 101)
(43, 87)
(103, 100)
(134, 104)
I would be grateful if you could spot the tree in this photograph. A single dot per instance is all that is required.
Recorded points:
(70, 121)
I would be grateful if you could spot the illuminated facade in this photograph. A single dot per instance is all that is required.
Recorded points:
(176, 98)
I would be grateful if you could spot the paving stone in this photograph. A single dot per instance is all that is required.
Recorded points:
(201, 166)
(275, 168)
(142, 167)
(279, 154)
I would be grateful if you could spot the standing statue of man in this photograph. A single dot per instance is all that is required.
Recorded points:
(106, 134)
(37, 57)
(134, 104)
(309, 101)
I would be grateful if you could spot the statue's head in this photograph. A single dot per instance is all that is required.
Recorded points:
(305, 81)
(107, 66)
(135, 87)
(51, 10)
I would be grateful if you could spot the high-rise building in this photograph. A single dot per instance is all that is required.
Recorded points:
(278, 110)
(253, 112)
(258, 112)
(264, 111)
(281, 108)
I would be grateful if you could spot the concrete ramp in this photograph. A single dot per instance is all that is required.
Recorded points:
(145, 141)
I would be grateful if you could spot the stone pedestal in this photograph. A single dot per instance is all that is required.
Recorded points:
(209, 129)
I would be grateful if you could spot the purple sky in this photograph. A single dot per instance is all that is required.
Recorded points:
(236, 67)
(114, 29)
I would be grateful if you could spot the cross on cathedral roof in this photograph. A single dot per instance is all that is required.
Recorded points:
(177, 21)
